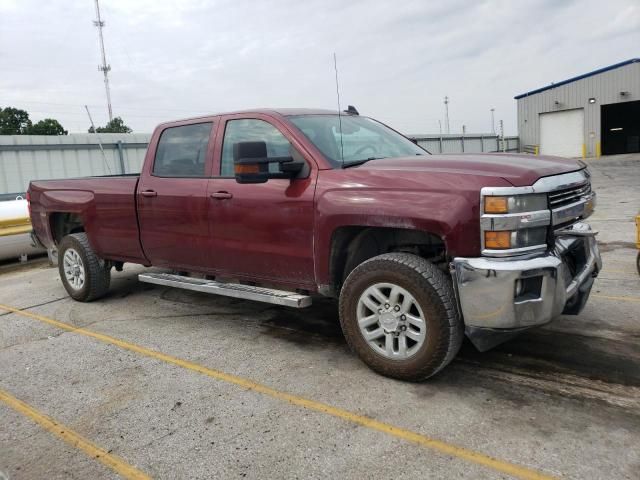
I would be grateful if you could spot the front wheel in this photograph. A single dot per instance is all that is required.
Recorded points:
(85, 276)
(398, 313)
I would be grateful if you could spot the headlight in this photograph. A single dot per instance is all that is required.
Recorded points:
(519, 220)
(515, 203)
(514, 239)
(514, 224)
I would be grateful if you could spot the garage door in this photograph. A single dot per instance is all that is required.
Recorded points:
(562, 133)
(620, 128)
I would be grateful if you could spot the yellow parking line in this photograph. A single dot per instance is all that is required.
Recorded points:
(74, 439)
(612, 297)
(512, 469)
(609, 270)
(630, 261)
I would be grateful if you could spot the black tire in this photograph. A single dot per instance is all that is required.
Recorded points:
(433, 291)
(97, 274)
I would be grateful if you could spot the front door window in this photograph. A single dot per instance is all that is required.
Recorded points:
(252, 130)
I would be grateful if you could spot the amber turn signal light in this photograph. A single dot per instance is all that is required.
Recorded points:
(497, 240)
(240, 168)
(496, 205)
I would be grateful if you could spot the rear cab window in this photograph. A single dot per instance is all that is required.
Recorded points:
(182, 151)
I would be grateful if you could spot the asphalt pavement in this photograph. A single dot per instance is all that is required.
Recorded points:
(164, 383)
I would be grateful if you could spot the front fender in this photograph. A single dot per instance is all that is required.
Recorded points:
(452, 216)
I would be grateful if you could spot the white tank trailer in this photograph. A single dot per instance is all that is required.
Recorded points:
(15, 231)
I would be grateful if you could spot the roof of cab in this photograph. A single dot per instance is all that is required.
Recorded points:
(285, 112)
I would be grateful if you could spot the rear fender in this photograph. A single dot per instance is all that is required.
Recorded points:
(80, 203)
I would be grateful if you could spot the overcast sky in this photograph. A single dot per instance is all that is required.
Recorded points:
(396, 59)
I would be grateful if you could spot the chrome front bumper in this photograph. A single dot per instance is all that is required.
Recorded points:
(510, 294)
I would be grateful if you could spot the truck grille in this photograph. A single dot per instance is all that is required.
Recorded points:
(560, 198)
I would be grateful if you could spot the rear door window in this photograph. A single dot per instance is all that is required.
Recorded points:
(182, 151)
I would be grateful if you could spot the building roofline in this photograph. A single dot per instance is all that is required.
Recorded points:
(579, 77)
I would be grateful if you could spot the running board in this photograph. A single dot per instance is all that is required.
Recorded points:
(235, 290)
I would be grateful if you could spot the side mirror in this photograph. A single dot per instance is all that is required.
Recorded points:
(251, 163)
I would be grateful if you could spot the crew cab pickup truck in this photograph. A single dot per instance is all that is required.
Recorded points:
(281, 205)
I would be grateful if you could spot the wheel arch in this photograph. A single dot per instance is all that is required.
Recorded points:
(353, 244)
(65, 223)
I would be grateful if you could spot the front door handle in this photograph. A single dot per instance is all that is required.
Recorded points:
(149, 193)
(221, 195)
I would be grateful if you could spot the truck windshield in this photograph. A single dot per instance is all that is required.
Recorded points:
(362, 138)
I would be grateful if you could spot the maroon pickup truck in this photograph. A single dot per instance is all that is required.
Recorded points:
(279, 205)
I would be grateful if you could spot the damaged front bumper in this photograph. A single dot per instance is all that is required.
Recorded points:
(500, 297)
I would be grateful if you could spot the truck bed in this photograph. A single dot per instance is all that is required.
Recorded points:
(105, 206)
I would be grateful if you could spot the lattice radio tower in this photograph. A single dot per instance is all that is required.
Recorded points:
(105, 68)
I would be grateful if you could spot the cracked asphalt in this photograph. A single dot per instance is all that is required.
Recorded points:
(562, 400)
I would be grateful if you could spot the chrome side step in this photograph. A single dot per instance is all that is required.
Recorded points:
(235, 290)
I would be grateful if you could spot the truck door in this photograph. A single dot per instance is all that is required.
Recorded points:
(172, 197)
(262, 231)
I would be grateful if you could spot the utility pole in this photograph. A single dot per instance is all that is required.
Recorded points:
(504, 146)
(493, 122)
(440, 125)
(446, 113)
(105, 68)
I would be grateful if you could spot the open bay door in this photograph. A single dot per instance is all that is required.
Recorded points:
(562, 133)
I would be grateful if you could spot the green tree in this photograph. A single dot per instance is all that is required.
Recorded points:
(14, 121)
(114, 126)
(48, 126)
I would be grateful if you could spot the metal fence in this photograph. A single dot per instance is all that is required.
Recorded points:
(474, 143)
(37, 157)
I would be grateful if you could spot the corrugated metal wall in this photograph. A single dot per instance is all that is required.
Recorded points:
(605, 87)
(35, 157)
(466, 144)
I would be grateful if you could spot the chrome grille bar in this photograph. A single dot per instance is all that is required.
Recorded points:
(565, 197)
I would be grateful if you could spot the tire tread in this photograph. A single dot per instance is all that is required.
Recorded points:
(441, 291)
(98, 276)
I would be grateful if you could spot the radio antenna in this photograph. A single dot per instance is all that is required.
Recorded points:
(335, 67)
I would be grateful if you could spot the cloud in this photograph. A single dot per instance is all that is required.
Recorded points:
(397, 60)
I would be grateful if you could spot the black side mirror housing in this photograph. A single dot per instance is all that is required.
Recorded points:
(251, 163)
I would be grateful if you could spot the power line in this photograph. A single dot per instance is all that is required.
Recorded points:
(144, 109)
(104, 157)
(79, 113)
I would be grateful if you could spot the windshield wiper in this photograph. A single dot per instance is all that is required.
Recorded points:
(360, 162)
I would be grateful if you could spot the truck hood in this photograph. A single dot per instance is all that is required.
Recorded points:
(517, 169)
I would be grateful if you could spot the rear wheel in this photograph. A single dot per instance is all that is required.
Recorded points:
(85, 276)
(398, 313)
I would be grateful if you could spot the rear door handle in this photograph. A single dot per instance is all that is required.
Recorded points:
(221, 195)
(149, 193)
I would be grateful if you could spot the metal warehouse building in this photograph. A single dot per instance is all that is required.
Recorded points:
(585, 116)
